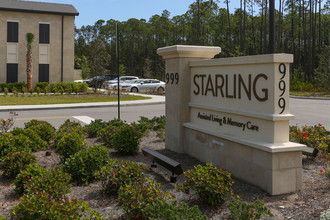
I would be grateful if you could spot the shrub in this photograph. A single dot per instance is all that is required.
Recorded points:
(145, 124)
(69, 144)
(174, 211)
(126, 140)
(135, 199)
(13, 143)
(41, 205)
(82, 87)
(106, 135)
(36, 142)
(41, 86)
(119, 173)
(31, 171)
(86, 162)
(313, 136)
(94, 127)
(6, 124)
(14, 162)
(54, 182)
(211, 184)
(248, 211)
(45, 130)
(325, 215)
(69, 127)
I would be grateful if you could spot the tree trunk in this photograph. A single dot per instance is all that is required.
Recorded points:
(229, 28)
(240, 28)
(265, 27)
(29, 69)
(310, 40)
(244, 22)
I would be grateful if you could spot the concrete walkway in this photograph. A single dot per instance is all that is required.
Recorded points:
(155, 99)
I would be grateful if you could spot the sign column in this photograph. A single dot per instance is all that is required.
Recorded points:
(177, 78)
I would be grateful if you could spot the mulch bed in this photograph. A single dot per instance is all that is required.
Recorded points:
(308, 203)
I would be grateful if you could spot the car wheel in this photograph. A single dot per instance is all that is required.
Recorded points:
(134, 89)
(160, 90)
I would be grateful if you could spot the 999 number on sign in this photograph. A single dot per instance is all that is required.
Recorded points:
(282, 87)
(172, 78)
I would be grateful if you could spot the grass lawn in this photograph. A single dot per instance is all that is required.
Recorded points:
(51, 99)
(310, 94)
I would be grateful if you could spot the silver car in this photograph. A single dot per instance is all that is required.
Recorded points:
(113, 83)
(145, 85)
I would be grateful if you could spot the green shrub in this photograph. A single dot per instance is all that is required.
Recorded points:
(31, 171)
(135, 199)
(126, 140)
(86, 162)
(69, 144)
(156, 124)
(54, 182)
(14, 143)
(41, 205)
(69, 127)
(174, 211)
(42, 86)
(117, 122)
(212, 185)
(36, 142)
(94, 127)
(14, 162)
(106, 135)
(82, 87)
(45, 130)
(119, 173)
(248, 211)
(325, 215)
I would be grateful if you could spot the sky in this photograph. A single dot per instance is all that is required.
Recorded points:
(92, 10)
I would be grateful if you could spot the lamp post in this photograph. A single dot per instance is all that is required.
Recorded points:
(272, 26)
(117, 65)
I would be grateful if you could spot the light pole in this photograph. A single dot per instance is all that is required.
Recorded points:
(117, 67)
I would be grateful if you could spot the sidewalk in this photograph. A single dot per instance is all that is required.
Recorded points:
(155, 99)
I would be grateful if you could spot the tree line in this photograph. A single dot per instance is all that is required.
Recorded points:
(302, 28)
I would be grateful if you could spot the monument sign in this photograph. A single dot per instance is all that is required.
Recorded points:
(234, 113)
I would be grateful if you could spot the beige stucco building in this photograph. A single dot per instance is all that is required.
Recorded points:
(53, 52)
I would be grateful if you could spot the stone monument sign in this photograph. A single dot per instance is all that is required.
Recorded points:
(234, 113)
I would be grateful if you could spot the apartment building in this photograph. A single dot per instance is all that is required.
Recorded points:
(53, 52)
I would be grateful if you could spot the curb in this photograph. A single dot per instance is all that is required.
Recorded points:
(308, 97)
(83, 105)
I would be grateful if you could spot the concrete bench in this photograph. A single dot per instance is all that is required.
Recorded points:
(310, 152)
(164, 161)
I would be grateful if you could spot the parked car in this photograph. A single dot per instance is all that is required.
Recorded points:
(113, 83)
(99, 80)
(145, 85)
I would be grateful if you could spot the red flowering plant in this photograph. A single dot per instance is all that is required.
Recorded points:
(313, 136)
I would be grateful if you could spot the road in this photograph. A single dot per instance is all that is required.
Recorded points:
(57, 117)
(310, 112)
(306, 111)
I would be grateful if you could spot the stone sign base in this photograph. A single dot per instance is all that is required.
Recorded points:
(276, 171)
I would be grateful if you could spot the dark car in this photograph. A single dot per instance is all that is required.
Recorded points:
(98, 80)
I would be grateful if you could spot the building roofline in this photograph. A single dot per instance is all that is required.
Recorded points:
(38, 7)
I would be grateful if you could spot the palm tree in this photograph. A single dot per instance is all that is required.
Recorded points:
(29, 67)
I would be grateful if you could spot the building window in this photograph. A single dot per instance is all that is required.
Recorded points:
(43, 72)
(12, 72)
(44, 33)
(12, 32)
